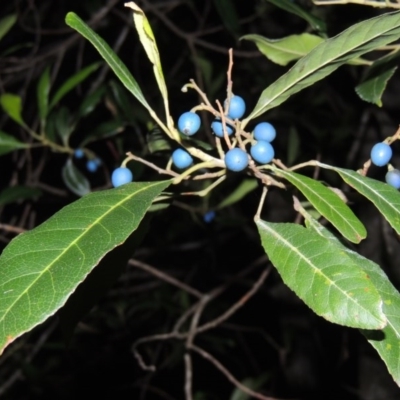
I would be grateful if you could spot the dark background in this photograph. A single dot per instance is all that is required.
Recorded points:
(274, 341)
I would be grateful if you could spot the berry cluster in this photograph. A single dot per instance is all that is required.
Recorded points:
(381, 154)
(236, 159)
(92, 165)
(244, 150)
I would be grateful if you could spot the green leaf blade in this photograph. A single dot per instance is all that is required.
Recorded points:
(385, 198)
(74, 179)
(72, 82)
(327, 57)
(109, 56)
(283, 51)
(8, 143)
(321, 276)
(6, 24)
(288, 5)
(376, 78)
(40, 269)
(17, 193)
(12, 105)
(387, 341)
(42, 94)
(329, 205)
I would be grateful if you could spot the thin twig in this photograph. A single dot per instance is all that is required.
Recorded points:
(12, 228)
(188, 376)
(240, 303)
(165, 277)
(228, 375)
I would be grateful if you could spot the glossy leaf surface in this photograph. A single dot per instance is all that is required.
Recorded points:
(322, 277)
(109, 56)
(385, 198)
(283, 51)
(376, 78)
(40, 269)
(327, 57)
(387, 341)
(329, 204)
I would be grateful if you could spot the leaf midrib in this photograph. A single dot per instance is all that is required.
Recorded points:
(92, 226)
(301, 255)
(320, 66)
(333, 208)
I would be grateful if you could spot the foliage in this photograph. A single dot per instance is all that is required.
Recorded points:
(70, 259)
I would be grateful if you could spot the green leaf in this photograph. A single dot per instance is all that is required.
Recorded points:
(8, 143)
(156, 141)
(102, 278)
(387, 341)
(73, 82)
(385, 198)
(14, 193)
(12, 105)
(42, 93)
(122, 100)
(376, 78)
(148, 41)
(321, 276)
(293, 8)
(109, 56)
(74, 180)
(6, 24)
(245, 187)
(40, 269)
(91, 101)
(283, 51)
(327, 57)
(329, 204)
(63, 124)
(227, 11)
(104, 130)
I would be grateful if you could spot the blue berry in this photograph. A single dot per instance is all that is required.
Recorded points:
(381, 154)
(262, 152)
(93, 165)
(236, 159)
(209, 216)
(264, 131)
(217, 128)
(189, 123)
(120, 176)
(181, 159)
(237, 107)
(79, 153)
(393, 178)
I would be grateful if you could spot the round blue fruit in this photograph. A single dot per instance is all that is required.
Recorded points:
(218, 128)
(381, 154)
(264, 131)
(209, 216)
(189, 123)
(392, 178)
(236, 159)
(237, 107)
(120, 176)
(93, 165)
(182, 159)
(79, 153)
(262, 152)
